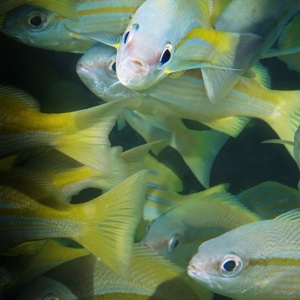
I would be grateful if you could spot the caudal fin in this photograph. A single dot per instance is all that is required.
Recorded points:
(111, 222)
(198, 149)
(86, 138)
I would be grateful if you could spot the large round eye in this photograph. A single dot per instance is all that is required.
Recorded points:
(126, 35)
(231, 265)
(112, 67)
(37, 20)
(166, 55)
(51, 296)
(173, 243)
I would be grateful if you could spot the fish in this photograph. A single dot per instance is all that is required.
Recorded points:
(43, 287)
(105, 226)
(295, 144)
(150, 277)
(52, 172)
(65, 8)
(43, 28)
(177, 233)
(289, 38)
(153, 126)
(49, 254)
(260, 260)
(146, 56)
(195, 146)
(82, 135)
(185, 97)
(194, 218)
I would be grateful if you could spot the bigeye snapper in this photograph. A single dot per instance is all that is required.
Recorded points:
(185, 97)
(147, 55)
(260, 260)
(105, 226)
(82, 135)
(39, 27)
(150, 276)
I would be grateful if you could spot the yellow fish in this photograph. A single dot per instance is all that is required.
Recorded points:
(151, 48)
(82, 135)
(260, 260)
(150, 276)
(105, 225)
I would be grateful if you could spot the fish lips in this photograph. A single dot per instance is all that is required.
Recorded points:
(133, 72)
(201, 276)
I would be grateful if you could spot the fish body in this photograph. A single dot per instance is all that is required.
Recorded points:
(177, 233)
(82, 135)
(39, 27)
(100, 225)
(149, 276)
(186, 98)
(260, 260)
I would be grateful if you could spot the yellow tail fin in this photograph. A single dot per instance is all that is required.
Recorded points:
(111, 221)
(87, 141)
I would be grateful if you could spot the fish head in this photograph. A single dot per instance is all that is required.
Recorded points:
(29, 25)
(224, 264)
(163, 236)
(145, 50)
(97, 69)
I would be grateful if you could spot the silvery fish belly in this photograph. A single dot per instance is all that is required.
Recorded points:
(260, 260)
(46, 29)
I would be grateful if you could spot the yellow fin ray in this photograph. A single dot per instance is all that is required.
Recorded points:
(113, 219)
(89, 143)
(231, 125)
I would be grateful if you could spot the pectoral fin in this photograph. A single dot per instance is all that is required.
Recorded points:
(229, 65)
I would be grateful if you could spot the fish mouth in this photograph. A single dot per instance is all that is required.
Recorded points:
(133, 72)
(201, 276)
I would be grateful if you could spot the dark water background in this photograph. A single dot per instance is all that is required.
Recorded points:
(243, 162)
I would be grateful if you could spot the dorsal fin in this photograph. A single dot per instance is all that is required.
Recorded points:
(20, 97)
(293, 215)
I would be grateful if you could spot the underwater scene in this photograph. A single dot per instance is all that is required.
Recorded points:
(150, 149)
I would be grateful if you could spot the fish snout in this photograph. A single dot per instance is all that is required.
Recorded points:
(132, 71)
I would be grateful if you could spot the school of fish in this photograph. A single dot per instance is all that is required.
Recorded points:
(85, 214)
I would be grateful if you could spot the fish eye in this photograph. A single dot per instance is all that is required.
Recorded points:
(51, 296)
(127, 33)
(166, 55)
(173, 243)
(231, 265)
(112, 66)
(125, 38)
(37, 20)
